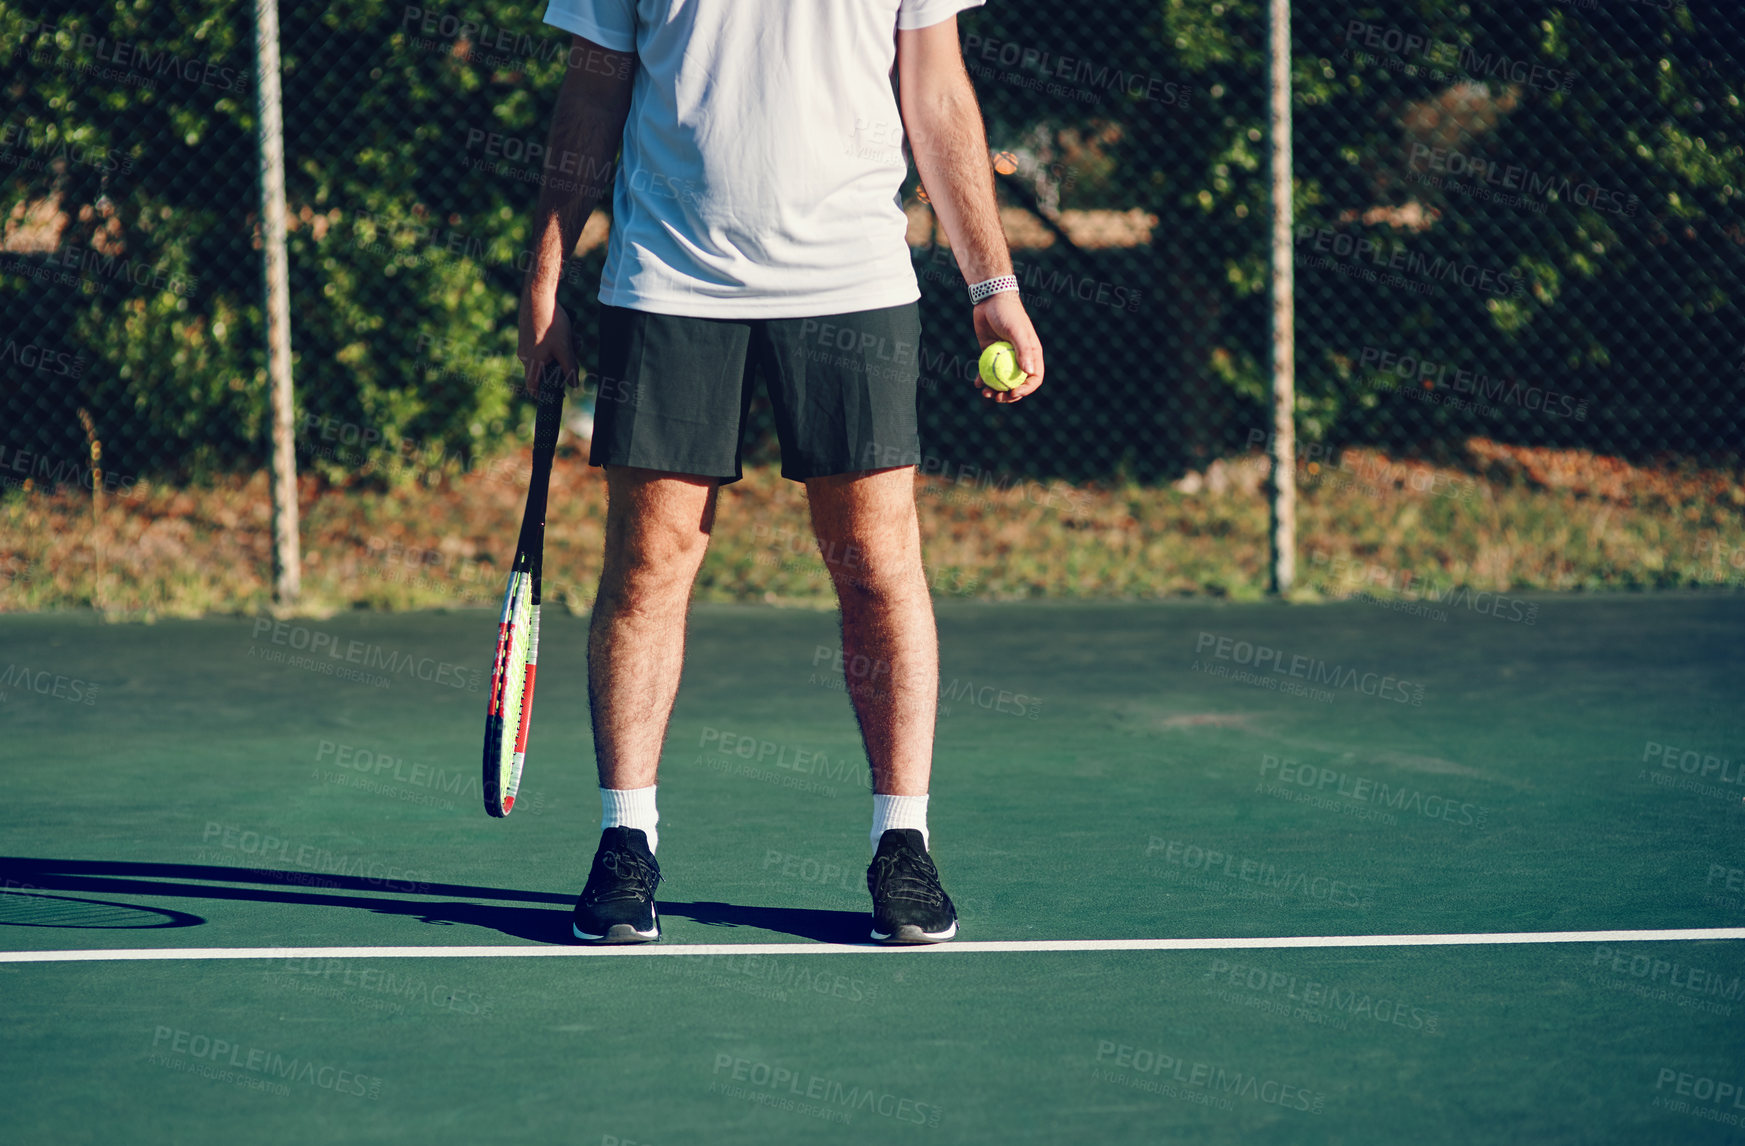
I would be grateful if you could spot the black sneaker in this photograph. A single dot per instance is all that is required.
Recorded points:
(909, 906)
(617, 906)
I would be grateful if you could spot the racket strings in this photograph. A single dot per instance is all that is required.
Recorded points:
(514, 673)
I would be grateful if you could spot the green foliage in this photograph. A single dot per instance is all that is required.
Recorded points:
(408, 139)
(404, 260)
(1621, 121)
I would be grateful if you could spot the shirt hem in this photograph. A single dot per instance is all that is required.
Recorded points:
(797, 306)
(912, 21)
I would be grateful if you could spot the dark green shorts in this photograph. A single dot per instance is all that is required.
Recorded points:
(674, 391)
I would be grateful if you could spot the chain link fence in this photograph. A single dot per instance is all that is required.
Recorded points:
(1516, 222)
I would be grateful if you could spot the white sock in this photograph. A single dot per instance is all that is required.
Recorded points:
(631, 808)
(899, 812)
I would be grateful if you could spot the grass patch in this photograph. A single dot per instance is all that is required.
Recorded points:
(1512, 519)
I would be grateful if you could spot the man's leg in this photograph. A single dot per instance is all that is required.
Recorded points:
(870, 540)
(673, 391)
(871, 543)
(657, 529)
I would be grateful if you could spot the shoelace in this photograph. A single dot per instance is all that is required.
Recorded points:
(637, 878)
(907, 875)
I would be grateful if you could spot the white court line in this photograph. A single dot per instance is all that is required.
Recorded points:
(502, 951)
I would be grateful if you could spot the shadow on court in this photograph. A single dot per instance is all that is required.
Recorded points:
(549, 923)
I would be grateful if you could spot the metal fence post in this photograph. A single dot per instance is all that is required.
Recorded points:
(1284, 443)
(287, 561)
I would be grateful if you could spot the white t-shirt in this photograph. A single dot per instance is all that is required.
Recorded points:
(763, 154)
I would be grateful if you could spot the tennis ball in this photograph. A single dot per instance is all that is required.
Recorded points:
(999, 367)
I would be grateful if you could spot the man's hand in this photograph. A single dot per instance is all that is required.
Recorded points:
(545, 340)
(1001, 318)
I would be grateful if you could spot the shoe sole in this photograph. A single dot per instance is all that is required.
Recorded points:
(908, 933)
(617, 933)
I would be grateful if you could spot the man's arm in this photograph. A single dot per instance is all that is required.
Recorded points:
(944, 126)
(587, 127)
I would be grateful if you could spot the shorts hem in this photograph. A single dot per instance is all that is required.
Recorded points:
(798, 474)
(681, 469)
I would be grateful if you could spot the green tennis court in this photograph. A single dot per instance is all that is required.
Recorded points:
(1104, 772)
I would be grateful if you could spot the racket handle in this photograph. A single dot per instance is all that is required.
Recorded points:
(548, 420)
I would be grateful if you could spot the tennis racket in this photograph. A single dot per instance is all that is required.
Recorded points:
(510, 708)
